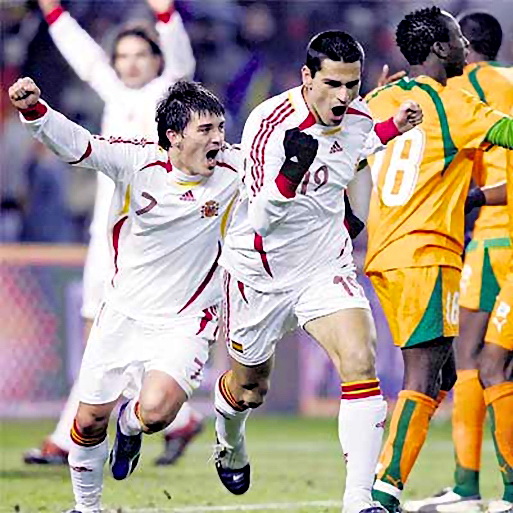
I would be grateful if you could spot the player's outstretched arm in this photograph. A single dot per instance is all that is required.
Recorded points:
(80, 50)
(69, 141)
(179, 61)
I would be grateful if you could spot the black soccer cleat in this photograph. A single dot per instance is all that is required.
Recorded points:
(227, 459)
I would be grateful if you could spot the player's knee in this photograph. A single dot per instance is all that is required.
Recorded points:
(157, 416)
(359, 364)
(91, 424)
(491, 372)
(255, 397)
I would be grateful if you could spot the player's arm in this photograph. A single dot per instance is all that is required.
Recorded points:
(492, 195)
(69, 141)
(80, 50)
(274, 168)
(179, 61)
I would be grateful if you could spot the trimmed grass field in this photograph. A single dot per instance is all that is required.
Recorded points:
(294, 461)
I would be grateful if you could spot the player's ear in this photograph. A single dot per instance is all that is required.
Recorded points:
(175, 138)
(306, 75)
(441, 50)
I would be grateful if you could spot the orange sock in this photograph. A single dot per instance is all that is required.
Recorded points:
(499, 399)
(408, 430)
(468, 417)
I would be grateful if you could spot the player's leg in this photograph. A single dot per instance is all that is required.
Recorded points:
(333, 309)
(496, 378)
(88, 454)
(173, 358)
(253, 323)
(423, 326)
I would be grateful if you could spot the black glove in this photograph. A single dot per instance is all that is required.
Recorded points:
(353, 224)
(476, 198)
(300, 151)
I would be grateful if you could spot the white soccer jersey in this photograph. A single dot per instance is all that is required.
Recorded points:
(169, 231)
(128, 113)
(274, 242)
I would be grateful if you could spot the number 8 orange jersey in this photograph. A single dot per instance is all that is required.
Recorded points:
(416, 215)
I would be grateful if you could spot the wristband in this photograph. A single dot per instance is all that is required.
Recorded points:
(35, 112)
(54, 15)
(386, 130)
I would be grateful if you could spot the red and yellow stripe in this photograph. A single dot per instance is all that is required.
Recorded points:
(360, 389)
(227, 395)
(85, 440)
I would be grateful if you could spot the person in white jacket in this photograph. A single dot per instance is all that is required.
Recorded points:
(151, 336)
(130, 83)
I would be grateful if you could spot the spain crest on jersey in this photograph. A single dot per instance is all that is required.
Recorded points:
(210, 209)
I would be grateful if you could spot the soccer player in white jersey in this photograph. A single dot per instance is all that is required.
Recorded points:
(172, 203)
(288, 258)
(130, 84)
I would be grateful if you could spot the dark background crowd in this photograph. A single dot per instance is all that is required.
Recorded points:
(246, 51)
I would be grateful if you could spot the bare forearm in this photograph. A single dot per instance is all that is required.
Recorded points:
(496, 194)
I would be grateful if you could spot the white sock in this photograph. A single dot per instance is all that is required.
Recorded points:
(86, 469)
(60, 436)
(129, 423)
(230, 423)
(360, 429)
(185, 416)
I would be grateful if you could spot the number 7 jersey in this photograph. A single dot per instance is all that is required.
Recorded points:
(416, 215)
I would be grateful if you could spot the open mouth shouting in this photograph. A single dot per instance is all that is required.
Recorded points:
(211, 158)
(338, 112)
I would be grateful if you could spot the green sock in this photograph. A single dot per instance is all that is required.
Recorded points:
(467, 481)
(386, 500)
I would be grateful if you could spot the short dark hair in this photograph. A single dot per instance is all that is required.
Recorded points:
(143, 33)
(335, 45)
(418, 31)
(483, 32)
(175, 109)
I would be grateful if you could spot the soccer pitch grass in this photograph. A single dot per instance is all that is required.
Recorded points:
(296, 463)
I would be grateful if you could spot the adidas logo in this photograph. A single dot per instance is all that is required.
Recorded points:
(187, 196)
(336, 147)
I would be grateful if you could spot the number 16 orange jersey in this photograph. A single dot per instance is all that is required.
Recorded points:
(416, 215)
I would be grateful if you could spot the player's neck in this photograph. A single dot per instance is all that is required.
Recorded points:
(474, 57)
(178, 163)
(430, 69)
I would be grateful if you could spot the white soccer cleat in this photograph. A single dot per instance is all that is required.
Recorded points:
(466, 506)
(443, 498)
(500, 506)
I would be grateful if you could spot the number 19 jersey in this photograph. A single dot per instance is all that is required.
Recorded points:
(416, 215)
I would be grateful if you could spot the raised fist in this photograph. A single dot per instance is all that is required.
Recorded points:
(408, 116)
(24, 93)
(160, 6)
(300, 145)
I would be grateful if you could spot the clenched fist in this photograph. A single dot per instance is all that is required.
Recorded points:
(47, 6)
(24, 93)
(160, 6)
(408, 116)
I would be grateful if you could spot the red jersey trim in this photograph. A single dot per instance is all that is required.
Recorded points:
(35, 112)
(165, 16)
(286, 186)
(257, 153)
(356, 112)
(224, 164)
(307, 122)
(116, 232)
(259, 246)
(54, 15)
(166, 165)
(86, 154)
(206, 280)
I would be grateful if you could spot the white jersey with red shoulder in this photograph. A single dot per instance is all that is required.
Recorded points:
(169, 227)
(273, 241)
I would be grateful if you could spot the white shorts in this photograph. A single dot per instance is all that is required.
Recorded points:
(255, 321)
(120, 350)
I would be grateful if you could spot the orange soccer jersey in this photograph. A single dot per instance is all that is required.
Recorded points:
(416, 214)
(493, 84)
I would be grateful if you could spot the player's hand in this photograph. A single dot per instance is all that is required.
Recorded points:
(408, 116)
(24, 93)
(160, 6)
(385, 79)
(300, 152)
(476, 198)
(47, 6)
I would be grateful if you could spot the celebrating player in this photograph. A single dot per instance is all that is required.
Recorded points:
(416, 225)
(172, 202)
(484, 270)
(130, 84)
(288, 258)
